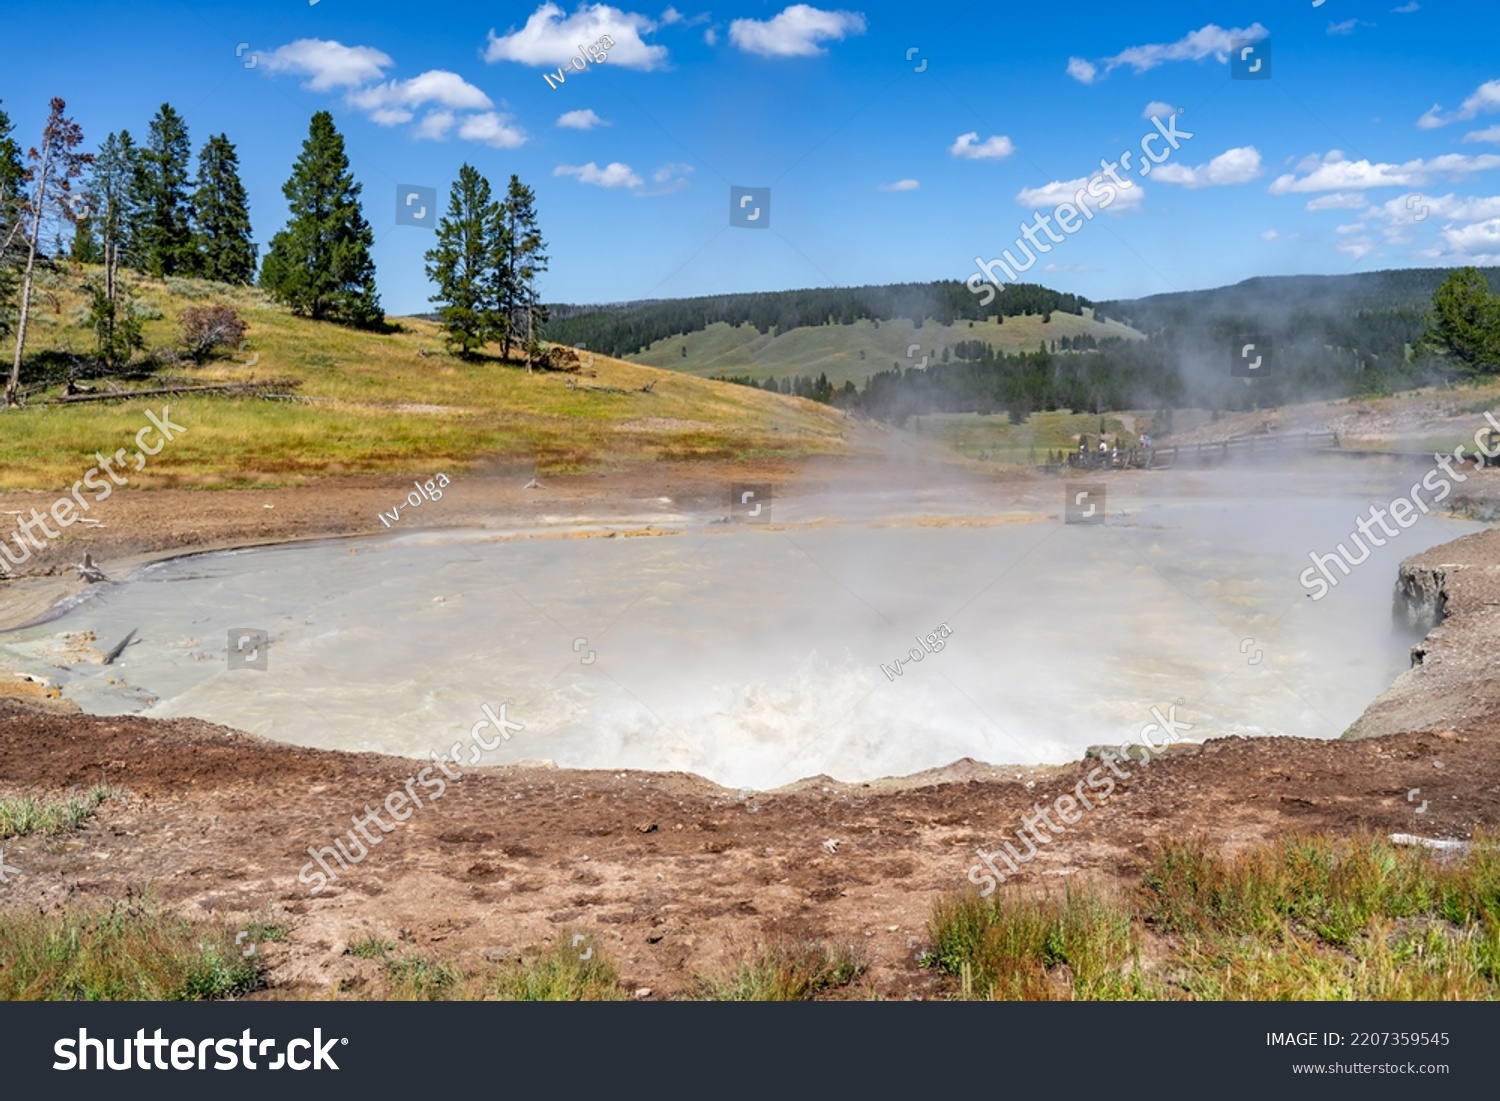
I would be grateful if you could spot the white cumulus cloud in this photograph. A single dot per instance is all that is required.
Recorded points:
(796, 32)
(1158, 110)
(580, 120)
(434, 126)
(901, 185)
(1335, 173)
(328, 64)
(1207, 41)
(1047, 196)
(493, 129)
(1234, 166)
(1338, 200)
(552, 37)
(438, 95)
(1085, 72)
(971, 148)
(614, 174)
(394, 101)
(1485, 100)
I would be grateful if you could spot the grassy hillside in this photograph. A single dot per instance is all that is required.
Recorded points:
(373, 403)
(835, 349)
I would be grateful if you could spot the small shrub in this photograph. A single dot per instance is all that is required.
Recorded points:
(205, 328)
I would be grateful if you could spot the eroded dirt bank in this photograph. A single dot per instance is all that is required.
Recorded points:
(666, 872)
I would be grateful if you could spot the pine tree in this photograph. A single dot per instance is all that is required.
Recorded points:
(469, 264)
(113, 217)
(85, 246)
(160, 193)
(221, 216)
(519, 295)
(320, 264)
(1465, 322)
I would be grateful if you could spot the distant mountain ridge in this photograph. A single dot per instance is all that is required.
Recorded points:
(626, 329)
(1389, 289)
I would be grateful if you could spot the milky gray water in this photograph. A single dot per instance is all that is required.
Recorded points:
(752, 655)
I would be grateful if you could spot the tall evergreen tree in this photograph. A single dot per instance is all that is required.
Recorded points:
(114, 228)
(468, 264)
(320, 264)
(1465, 322)
(160, 192)
(527, 258)
(85, 247)
(221, 216)
(113, 217)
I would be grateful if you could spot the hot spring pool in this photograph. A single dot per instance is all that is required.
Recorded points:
(752, 654)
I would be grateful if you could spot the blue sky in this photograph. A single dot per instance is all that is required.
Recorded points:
(1374, 144)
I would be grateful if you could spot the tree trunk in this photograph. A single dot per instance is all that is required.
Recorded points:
(14, 384)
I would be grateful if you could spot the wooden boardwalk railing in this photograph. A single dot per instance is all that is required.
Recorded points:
(1207, 454)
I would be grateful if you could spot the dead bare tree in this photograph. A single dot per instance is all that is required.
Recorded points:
(50, 177)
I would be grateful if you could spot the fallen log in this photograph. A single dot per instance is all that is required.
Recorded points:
(269, 387)
(571, 385)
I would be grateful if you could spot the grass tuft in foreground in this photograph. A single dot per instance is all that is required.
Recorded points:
(559, 974)
(1014, 948)
(785, 972)
(1302, 918)
(18, 817)
(131, 951)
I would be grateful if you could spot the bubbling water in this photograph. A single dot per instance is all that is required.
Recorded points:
(753, 655)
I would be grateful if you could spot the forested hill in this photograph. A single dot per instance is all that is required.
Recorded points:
(627, 328)
(1404, 292)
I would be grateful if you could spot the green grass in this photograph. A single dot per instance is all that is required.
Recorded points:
(1010, 947)
(130, 951)
(557, 975)
(377, 406)
(19, 817)
(834, 350)
(785, 972)
(1303, 918)
(371, 948)
(266, 932)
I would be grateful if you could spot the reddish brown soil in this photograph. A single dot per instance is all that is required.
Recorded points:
(667, 873)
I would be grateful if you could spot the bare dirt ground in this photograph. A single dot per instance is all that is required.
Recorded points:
(668, 873)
